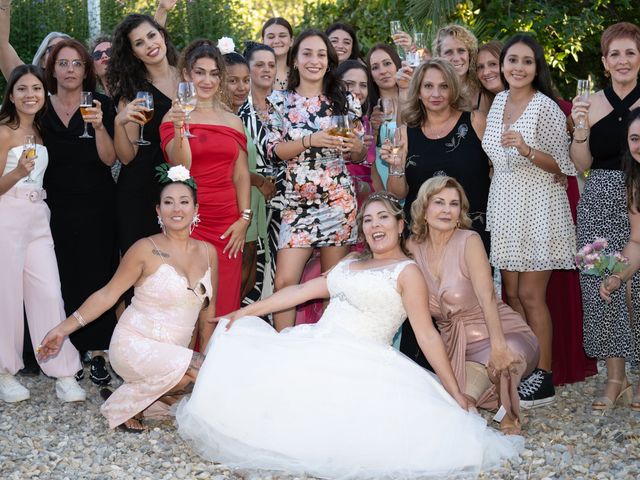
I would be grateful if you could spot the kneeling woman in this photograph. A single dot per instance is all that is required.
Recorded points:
(173, 275)
(334, 399)
(490, 346)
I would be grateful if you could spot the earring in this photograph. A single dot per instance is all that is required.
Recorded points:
(606, 73)
(295, 67)
(161, 223)
(194, 223)
(458, 224)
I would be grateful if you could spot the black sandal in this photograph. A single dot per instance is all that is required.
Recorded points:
(125, 428)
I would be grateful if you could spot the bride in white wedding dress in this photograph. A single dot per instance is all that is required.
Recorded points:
(334, 399)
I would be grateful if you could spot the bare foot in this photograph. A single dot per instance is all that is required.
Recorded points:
(510, 426)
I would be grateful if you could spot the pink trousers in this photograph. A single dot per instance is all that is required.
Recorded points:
(29, 276)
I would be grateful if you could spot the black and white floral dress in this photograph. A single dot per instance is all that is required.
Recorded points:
(528, 213)
(320, 209)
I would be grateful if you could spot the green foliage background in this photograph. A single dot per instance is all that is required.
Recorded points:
(568, 31)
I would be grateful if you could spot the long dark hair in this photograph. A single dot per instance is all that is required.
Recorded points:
(331, 85)
(542, 80)
(126, 73)
(374, 94)
(89, 81)
(8, 113)
(355, 47)
(631, 166)
(392, 203)
(347, 65)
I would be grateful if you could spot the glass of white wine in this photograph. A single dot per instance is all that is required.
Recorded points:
(148, 115)
(505, 128)
(396, 169)
(29, 146)
(583, 90)
(187, 100)
(86, 101)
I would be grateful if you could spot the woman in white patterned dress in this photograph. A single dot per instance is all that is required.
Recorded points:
(334, 399)
(528, 212)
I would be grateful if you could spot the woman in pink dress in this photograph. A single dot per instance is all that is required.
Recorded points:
(217, 158)
(490, 346)
(174, 276)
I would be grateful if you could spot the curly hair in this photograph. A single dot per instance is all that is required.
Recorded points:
(126, 73)
(8, 113)
(414, 112)
(433, 186)
(355, 47)
(631, 167)
(331, 84)
(391, 202)
(89, 81)
(203, 48)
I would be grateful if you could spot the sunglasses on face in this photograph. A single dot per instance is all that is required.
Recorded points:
(74, 63)
(199, 291)
(97, 54)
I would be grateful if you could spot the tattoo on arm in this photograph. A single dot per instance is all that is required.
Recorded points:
(160, 253)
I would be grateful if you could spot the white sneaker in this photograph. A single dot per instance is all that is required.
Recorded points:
(11, 390)
(68, 390)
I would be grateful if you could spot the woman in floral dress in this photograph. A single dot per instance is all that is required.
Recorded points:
(321, 204)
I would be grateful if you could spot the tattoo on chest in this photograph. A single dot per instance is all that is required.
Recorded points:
(160, 253)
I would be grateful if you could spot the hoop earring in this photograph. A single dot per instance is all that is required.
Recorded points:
(161, 223)
(194, 223)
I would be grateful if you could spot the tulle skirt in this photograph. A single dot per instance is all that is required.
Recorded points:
(315, 399)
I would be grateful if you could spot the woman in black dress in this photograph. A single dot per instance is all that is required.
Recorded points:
(80, 190)
(142, 59)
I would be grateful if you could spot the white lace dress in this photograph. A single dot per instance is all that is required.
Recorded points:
(334, 399)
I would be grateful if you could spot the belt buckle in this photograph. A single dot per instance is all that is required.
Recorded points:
(34, 196)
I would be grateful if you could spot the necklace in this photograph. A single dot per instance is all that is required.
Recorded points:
(281, 83)
(444, 128)
(512, 110)
(205, 106)
(62, 107)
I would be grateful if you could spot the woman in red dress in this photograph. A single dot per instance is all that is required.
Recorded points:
(217, 158)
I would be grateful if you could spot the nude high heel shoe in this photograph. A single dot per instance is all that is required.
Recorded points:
(604, 403)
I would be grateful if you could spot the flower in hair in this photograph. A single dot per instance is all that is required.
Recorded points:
(226, 45)
(179, 173)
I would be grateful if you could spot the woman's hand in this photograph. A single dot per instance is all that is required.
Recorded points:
(580, 111)
(324, 139)
(132, 112)
(93, 115)
(404, 40)
(462, 401)
(26, 164)
(231, 317)
(51, 344)
(386, 153)
(236, 233)
(501, 358)
(176, 115)
(512, 138)
(376, 119)
(609, 285)
(267, 189)
(403, 76)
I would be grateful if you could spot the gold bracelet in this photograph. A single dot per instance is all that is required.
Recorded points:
(615, 275)
(575, 140)
(78, 316)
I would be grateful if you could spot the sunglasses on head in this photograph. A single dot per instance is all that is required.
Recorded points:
(199, 291)
(97, 54)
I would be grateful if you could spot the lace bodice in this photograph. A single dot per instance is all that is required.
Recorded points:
(366, 302)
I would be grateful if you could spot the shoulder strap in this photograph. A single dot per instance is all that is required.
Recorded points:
(157, 249)
(622, 105)
(206, 247)
(399, 268)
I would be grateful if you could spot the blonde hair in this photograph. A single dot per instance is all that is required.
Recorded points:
(433, 186)
(470, 42)
(414, 112)
(391, 202)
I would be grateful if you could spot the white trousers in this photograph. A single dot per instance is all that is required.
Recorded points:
(29, 275)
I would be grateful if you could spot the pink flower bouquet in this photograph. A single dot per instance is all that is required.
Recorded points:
(591, 261)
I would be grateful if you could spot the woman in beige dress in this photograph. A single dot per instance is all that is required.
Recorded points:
(490, 346)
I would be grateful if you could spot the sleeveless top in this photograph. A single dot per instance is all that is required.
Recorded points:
(37, 174)
(607, 137)
(458, 154)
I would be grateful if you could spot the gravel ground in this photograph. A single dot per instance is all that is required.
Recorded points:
(42, 438)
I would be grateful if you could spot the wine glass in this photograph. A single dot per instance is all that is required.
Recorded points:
(505, 128)
(340, 126)
(148, 115)
(396, 28)
(269, 173)
(583, 90)
(187, 100)
(86, 101)
(388, 109)
(394, 135)
(29, 146)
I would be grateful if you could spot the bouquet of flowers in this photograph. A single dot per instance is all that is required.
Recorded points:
(591, 261)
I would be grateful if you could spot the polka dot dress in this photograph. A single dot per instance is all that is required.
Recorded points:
(528, 213)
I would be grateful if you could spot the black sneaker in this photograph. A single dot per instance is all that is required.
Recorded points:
(98, 372)
(537, 389)
(79, 375)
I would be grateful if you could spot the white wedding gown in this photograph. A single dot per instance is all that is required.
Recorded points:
(334, 399)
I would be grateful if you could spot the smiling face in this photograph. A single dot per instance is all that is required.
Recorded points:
(381, 229)
(622, 60)
(356, 82)
(312, 59)
(454, 50)
(342, 43)
(69, 69)
(205, 75)
(262, 68)
(177, 207)
(443, 211)
(383, 70)
(278, 37)
(519, 66)
(147, 44)
(435, 91)
(633, 138)
(100, 63)
(28, 94)
(238, 84)
(488, 70)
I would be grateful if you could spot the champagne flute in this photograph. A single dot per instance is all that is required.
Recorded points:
(269, 173)
(395, 138)
(396, 28)
(187, 100)
(86, 101)
(388, 109)
(29, 146)
(148, 115)
(583, 91)
(505, 128)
